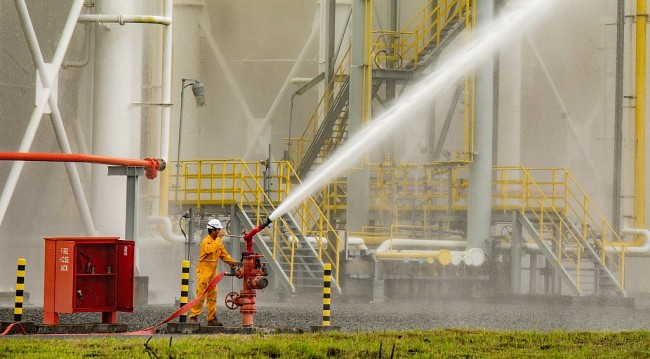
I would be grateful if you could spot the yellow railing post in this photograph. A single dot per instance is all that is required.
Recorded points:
(585, 224)
(198, 184)
(567, 191)
(553, 181)
(292, 257)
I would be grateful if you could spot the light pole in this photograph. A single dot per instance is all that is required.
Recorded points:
(198, 91)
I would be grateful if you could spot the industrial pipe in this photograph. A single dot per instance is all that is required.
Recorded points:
(151, 166)
(166, 229)
(248, 237)
(473, 257)
(630, 248)
(357, 242)
(436, 243)
(125, 19)
(443, 256)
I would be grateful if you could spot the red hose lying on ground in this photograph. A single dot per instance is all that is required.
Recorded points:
(181, 310)
(151, 329)
(17, 325)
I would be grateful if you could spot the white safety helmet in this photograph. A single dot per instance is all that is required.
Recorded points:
(214, 224)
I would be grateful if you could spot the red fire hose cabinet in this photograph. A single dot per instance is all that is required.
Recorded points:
(88, 274)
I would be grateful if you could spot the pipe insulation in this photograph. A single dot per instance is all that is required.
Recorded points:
(125, 19)
(635, 251)
(391, 249)
(433, 243)
(166, 231)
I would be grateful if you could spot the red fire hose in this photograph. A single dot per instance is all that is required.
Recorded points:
(151, 166)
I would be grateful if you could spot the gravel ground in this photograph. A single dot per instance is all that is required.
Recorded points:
(393, 315)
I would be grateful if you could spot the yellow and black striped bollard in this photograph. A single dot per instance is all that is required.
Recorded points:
(327, 278)
(185, 285)
(327, 290)
(20, 290)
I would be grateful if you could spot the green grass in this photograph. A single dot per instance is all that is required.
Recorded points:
(449, 343)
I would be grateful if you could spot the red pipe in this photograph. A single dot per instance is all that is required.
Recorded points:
(151, 166)
(248, 237)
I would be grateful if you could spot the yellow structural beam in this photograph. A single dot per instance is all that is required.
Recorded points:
(639, 114)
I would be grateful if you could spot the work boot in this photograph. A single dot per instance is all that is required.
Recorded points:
(214, 323)
(194, 320)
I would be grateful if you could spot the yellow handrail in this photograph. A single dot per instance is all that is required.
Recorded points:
(235, 182)
(399, 190)
(551, 196)
(405, 46)
(302, 143)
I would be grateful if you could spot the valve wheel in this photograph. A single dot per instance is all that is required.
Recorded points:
(230, 300)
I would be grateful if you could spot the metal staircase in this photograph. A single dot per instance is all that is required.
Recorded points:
(555, 216)
(605, 275)
(331, 133)
(577, 261)
(413, 49)
(296, 245)
(404, 54)
(295, 262)
(560, 220)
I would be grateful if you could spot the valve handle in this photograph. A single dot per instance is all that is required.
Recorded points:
(230, 300)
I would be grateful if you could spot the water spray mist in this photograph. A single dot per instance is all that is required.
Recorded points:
(513, 22)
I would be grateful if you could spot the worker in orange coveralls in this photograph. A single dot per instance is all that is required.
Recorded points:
(212, 249)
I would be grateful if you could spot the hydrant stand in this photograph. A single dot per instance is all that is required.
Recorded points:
(252, 272)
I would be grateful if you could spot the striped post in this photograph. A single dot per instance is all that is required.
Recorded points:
(20, 290)
(327, 277)
(185, 285)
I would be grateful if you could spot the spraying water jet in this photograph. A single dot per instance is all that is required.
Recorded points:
(510, 25)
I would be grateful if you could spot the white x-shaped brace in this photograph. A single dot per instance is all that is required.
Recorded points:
(257, 130)
(47, 75)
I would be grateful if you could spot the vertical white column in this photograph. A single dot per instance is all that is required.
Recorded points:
(480, 180)
(509, 131)
(116, 127)
(358, 179)
(187, 64)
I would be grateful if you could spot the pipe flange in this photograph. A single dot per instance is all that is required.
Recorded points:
(474, 257)
(456, 258)
(444, 257)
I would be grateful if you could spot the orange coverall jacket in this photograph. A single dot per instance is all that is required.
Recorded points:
(206, 270)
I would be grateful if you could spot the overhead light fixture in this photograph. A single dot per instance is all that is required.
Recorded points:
(198, 91)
